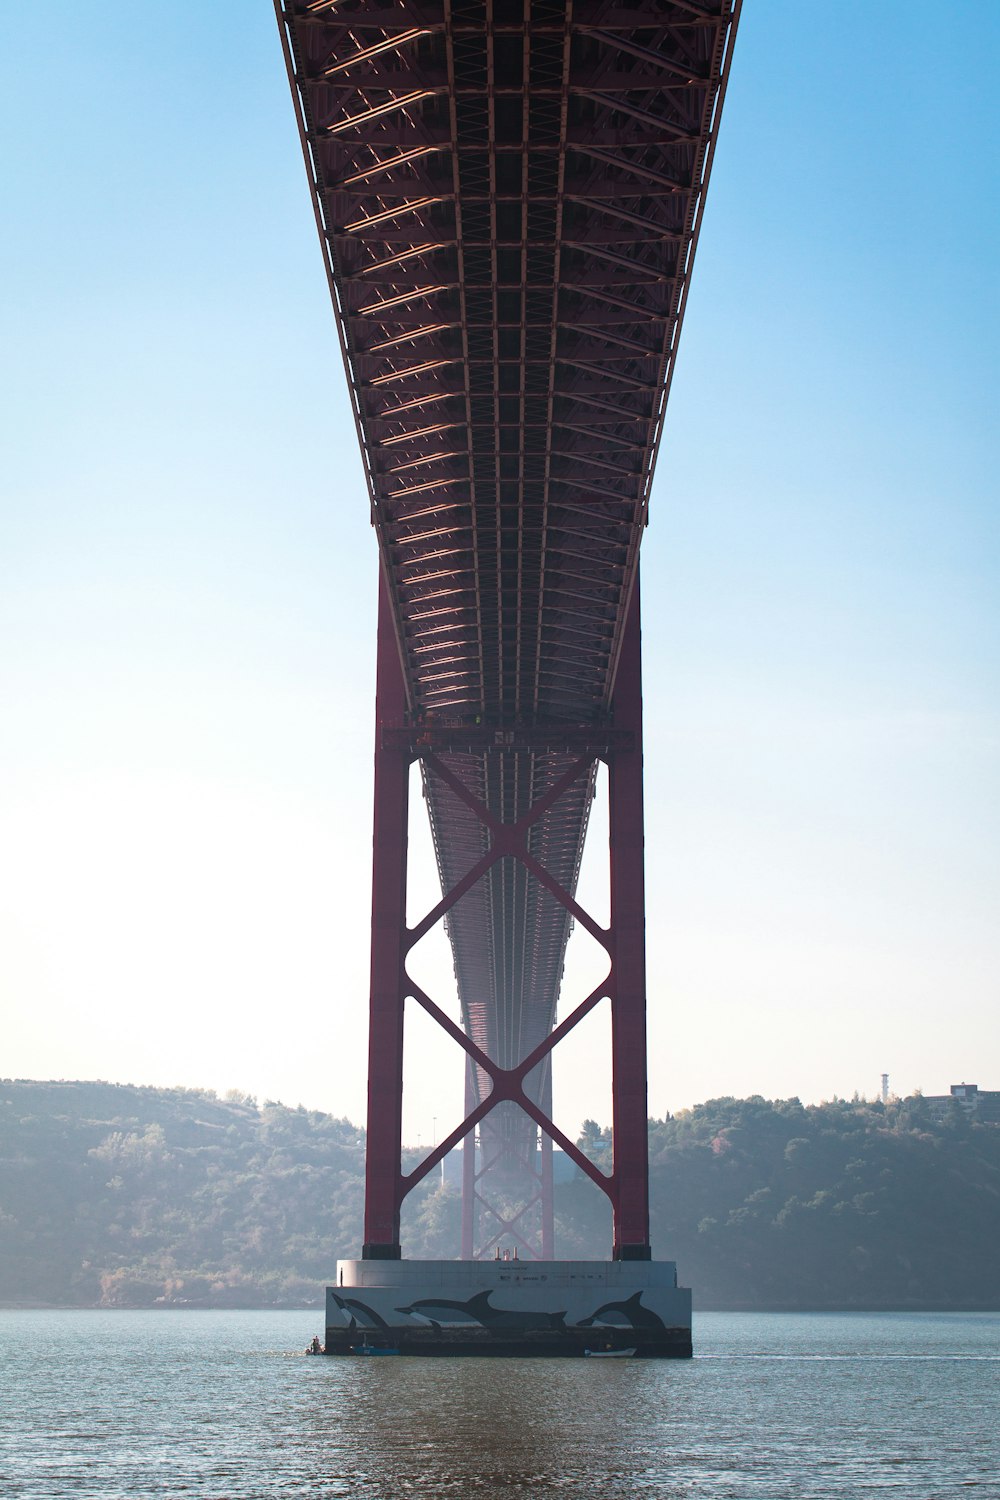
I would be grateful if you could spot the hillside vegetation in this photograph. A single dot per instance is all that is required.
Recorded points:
(120, 1196)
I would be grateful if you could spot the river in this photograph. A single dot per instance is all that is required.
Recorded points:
(223, 1406)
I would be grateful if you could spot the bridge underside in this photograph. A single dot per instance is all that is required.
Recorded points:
(509, 195)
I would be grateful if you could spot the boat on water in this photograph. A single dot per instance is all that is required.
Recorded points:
(609, 1353)
(372, 1349)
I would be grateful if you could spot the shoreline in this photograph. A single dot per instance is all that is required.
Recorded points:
(935, 1308)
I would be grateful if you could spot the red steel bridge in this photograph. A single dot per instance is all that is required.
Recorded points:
(509, 195)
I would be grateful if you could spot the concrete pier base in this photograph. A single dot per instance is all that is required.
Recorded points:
(556, 1308)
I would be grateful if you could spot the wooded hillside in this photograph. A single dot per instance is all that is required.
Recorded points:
(121, 1196)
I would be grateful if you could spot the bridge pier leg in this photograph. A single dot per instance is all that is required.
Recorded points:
(548, 1234)
(469, 1214)
(628, 956)
(383, 1184)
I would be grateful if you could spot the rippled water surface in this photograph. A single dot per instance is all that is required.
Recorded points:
(223, 1406)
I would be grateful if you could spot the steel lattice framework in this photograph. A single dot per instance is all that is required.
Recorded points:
(509, 195)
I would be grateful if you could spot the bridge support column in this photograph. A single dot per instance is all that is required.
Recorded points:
(548, 1230)
(628, 955)
(624, 940)
(383, 1187)
(469, 1213)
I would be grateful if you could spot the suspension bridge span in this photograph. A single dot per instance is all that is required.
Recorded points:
(509, 195)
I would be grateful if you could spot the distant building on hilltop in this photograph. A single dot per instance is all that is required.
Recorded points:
(982, 1104)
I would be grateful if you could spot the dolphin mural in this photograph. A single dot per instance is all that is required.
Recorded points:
(630, 1314)
(479, 1310)
(368, 1314)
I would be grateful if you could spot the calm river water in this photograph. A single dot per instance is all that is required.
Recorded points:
(222, 1406)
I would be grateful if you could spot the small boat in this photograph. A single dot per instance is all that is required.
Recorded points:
(372, 1349)
(609, 1353)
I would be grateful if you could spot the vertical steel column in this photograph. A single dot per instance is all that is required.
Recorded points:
(547, 1236)
(628, 957)
(469, 1215)
(383, 1177)
(548, 1205)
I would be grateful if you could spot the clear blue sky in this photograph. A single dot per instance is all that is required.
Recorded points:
(188, 579)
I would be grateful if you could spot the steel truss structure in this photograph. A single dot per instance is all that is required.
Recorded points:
(509, 195)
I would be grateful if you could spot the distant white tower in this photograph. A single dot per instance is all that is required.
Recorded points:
(885, 1088)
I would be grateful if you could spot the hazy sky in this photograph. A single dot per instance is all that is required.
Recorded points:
(187, 601)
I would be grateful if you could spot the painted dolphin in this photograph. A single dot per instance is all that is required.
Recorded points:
(368, 1314)
(478, 1310)
(630, 1314)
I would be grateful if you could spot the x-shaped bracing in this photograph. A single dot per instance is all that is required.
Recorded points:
(508, 840)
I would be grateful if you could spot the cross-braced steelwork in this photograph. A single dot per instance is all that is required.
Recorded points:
(509, 194)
